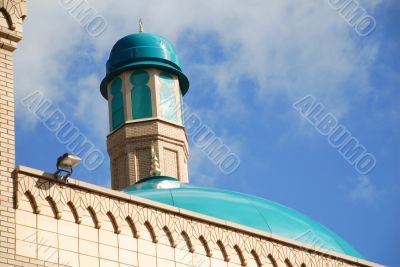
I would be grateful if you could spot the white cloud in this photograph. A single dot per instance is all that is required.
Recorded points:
(364, 190)
(90, 110)
(289, 47)
(204, 170)
(292, 46)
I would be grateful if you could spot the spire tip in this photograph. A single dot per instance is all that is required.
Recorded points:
(141, 29)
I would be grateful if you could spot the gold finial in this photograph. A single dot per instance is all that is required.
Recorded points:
(141, 29)
(155, 165)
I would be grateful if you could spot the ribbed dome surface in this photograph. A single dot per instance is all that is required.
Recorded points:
(243, 209)
(143, 50)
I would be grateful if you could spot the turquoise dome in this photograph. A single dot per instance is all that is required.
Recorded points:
(143, 50)
(243, 209)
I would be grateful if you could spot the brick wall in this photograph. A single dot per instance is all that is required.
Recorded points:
(7, 154)
(11, 17)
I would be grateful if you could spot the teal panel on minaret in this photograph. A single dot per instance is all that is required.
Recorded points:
(141, 95)
(117, 103)
(168, 97)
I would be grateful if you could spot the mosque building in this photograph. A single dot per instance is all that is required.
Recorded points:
(152, 216)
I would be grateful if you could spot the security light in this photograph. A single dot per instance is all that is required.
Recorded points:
(65, 163)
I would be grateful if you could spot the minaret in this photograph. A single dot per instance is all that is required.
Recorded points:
(144, 86)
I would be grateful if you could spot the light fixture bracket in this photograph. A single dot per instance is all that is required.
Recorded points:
(65, 163)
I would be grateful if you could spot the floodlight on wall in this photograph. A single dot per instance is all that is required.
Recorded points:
(65, 163)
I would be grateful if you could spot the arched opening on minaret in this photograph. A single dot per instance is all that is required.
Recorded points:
(168, 106)
(141, 95)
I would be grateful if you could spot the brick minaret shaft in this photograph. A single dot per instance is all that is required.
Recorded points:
(12, 14)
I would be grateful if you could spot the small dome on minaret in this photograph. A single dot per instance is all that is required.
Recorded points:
(143, 50)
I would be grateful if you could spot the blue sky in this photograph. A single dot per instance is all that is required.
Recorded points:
(248, 64)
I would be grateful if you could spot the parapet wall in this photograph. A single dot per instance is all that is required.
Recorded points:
(79, 224)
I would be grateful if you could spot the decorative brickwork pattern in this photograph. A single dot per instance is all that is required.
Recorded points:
(129, 150)
(87, 225)
(13, 11)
